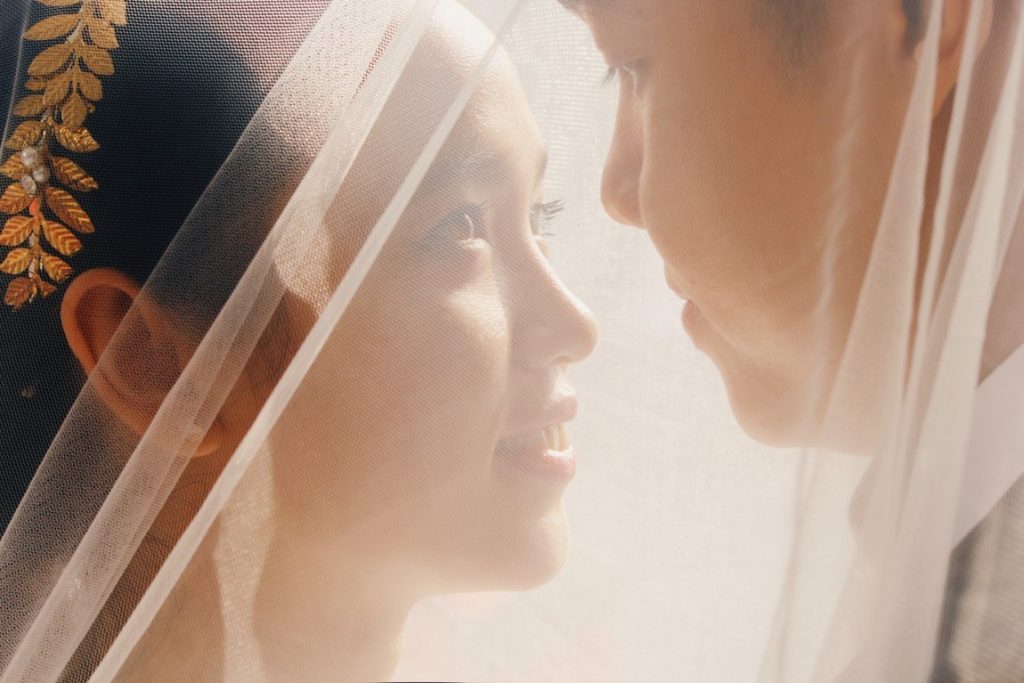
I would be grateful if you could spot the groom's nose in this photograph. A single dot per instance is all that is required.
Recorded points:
(620, 184)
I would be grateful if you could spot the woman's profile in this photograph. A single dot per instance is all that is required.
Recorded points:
(423, 452)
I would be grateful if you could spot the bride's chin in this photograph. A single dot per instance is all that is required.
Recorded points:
(544, 554)
(517, 557)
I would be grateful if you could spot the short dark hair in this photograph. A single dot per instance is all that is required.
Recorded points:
(800, 24)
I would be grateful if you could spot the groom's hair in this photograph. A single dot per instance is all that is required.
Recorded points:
(800, 24)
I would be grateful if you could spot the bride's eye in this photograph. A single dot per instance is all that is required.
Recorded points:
(544, 215)
(461, 226)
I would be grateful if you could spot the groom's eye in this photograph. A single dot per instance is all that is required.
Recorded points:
(460, 227)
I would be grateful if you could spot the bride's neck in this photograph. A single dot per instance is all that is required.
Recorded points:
(324, 617)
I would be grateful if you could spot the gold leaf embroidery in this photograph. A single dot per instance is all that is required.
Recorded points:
(97, 59)
(72, 114)
(64, 78)
(27, 133)
(52, 27)
(16, 262)
(80, 140)
(57, 89)
(19, 292)
(55, 267)
(89, 86)
(45, 288)
(61, 239)
(72, 175)
(14, 199)
(13, 168)
(69, 211)
(16, 230)
(50, 59)
(102, 34)
(31, 105)
(114, 11)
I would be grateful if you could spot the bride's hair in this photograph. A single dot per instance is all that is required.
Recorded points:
(164, 130)
(170, 117)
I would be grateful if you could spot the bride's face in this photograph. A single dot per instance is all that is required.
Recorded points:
(725, 151)
(423, 440)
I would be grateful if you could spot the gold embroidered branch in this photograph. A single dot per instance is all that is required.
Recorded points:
(63, 86)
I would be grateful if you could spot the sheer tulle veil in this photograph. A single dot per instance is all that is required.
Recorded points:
(313, 422)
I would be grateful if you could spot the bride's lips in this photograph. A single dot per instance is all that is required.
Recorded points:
(542, 447)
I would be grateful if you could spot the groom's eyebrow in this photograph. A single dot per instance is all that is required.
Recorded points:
(628, 7)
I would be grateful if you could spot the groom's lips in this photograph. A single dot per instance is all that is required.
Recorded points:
(674, 285)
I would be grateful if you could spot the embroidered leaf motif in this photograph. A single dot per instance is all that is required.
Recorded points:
(52, 27)
(72, 175)
(56, 268)
(57, 89)
(61, 239)
(89, 85)
(16, 230)
(31, 105)
(80, 140)
(19, 292)
(65, 83)
(102, 34)
(45, 288)
(97, 59)
(13, 168)
(14, 199)
(16, 262)
(65, 206)
(27, 133)
(114, 12)
(50, 60)
(72, 114)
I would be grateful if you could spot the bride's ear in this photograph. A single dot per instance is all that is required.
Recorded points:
(131, 384)
(956, 17)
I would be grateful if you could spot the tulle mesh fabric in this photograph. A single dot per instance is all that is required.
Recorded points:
(367, 363)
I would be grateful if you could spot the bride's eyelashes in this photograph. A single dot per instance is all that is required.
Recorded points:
(544, 215)
(628, 72)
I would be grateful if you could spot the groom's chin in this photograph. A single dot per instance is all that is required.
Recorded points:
(769, 410)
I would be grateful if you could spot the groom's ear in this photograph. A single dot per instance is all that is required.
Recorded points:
(956, 17)
(132, 385)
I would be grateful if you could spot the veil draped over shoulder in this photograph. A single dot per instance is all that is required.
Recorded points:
(300, 299)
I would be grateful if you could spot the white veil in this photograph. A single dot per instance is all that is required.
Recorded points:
(369, 393)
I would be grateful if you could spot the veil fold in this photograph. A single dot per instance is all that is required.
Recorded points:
(336, 405)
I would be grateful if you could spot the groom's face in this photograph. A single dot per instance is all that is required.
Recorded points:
(725, 150)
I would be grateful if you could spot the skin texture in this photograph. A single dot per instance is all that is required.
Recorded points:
(760, 194)
(389, 481)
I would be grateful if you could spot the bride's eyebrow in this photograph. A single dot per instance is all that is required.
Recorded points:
(482, 167)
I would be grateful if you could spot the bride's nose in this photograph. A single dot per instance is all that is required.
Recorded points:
(550, 325)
